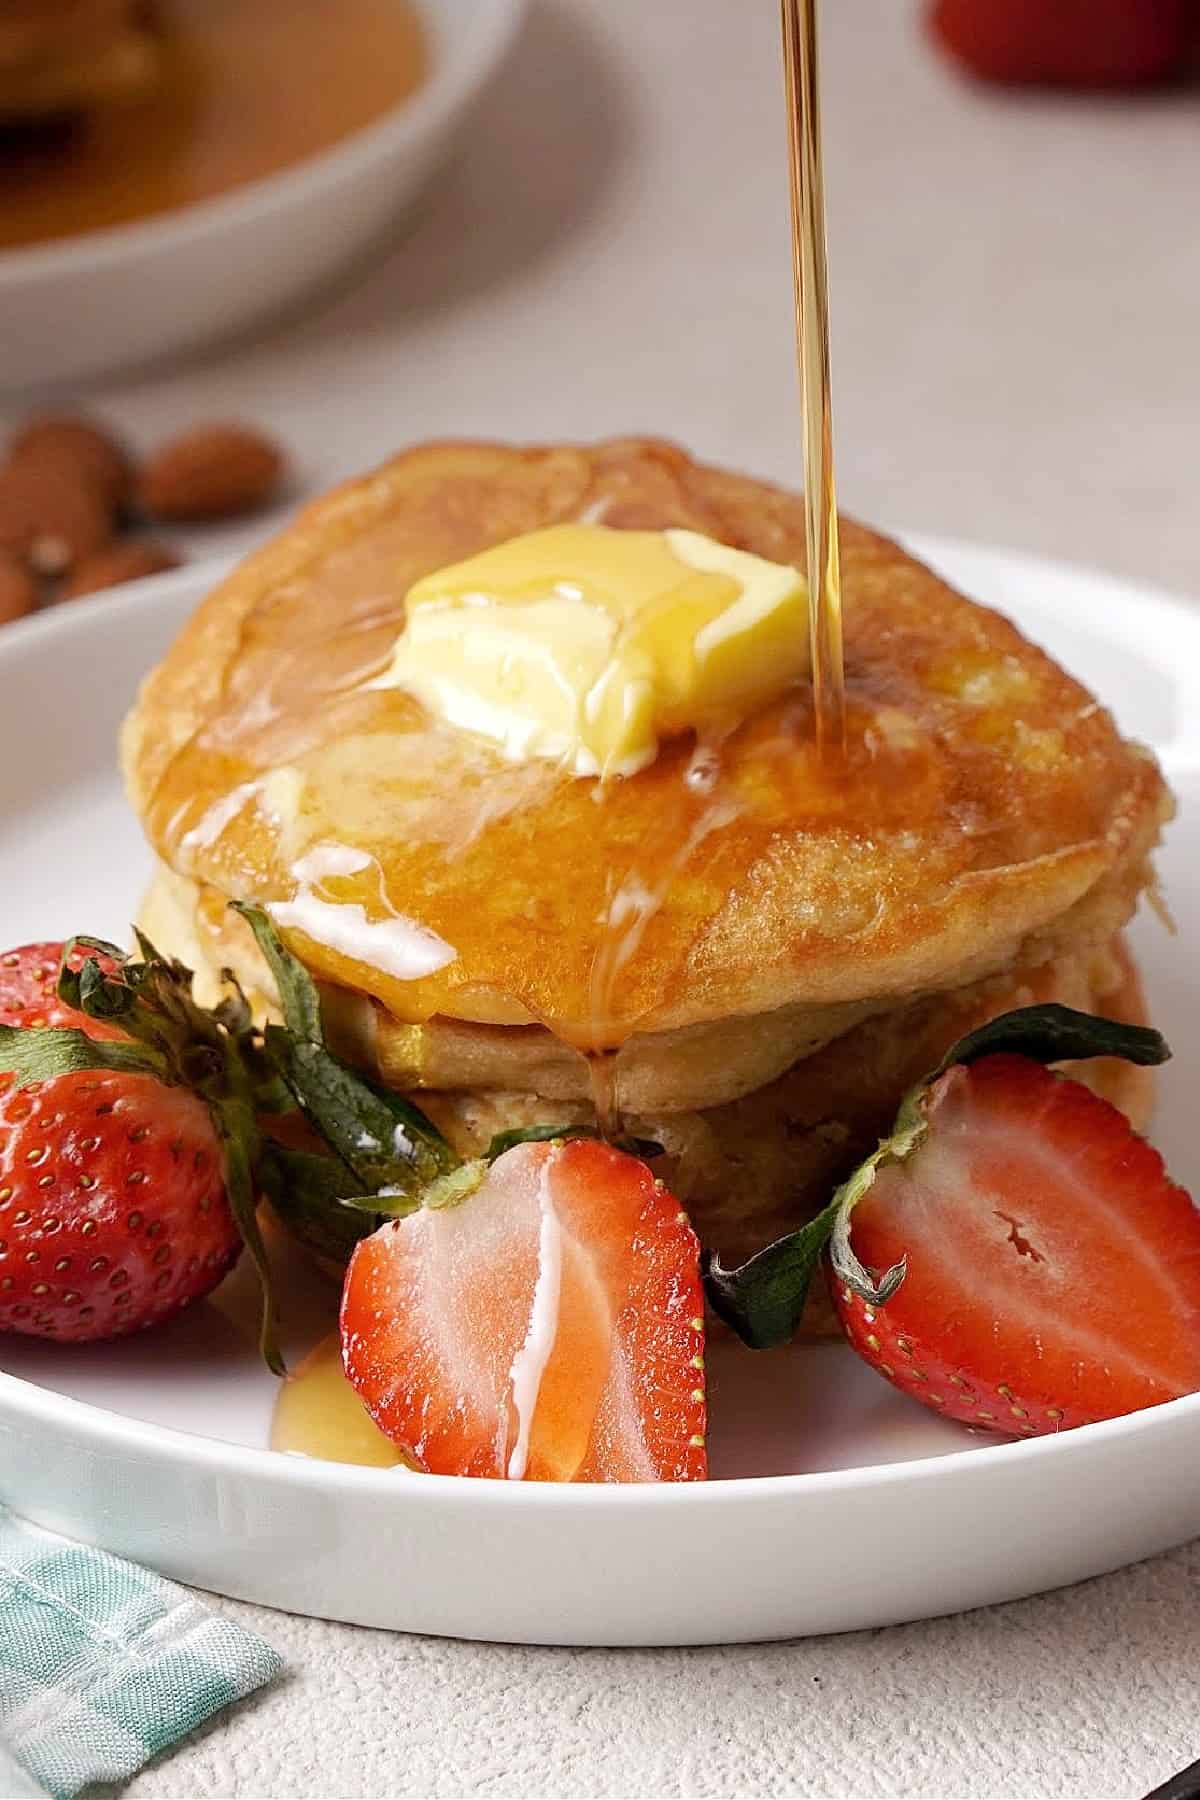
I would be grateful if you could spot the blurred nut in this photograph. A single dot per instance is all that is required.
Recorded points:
(212, 472)
(18, 590)
(128, 561)
(49, 517)
(77, 446)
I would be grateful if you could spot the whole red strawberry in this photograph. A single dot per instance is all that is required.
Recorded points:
(29, 987)
(113, 1212)
(1067, 43)
(132, 1157)
(113, 1205)
(132, 1144)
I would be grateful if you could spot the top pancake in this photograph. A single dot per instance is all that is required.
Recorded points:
(988, 804)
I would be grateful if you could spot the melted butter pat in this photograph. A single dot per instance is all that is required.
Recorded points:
(588, 646)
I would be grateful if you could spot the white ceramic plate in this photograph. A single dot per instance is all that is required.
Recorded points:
(838, 1502)
(139, 292)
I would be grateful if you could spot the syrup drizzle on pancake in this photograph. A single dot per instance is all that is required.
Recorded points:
(723, 879)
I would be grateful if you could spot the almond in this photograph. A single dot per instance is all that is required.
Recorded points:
(212, 472)
(49, 518)
(77, 446)
(18, 590)
(127, 561)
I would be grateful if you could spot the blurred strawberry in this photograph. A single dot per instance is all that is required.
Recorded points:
(1067, 43)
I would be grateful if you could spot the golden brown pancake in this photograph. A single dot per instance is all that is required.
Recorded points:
(774, 952)
(692, 1069)
(750, 1166)
(990, 814)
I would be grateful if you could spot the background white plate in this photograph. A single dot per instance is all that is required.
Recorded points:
(839, 1503)
(137, 292)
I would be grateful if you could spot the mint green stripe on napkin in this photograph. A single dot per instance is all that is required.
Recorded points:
(102, 1664)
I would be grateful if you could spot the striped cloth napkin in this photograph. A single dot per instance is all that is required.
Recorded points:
(102, 1664)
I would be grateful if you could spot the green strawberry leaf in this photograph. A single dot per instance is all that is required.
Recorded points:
(455, 1186)
(298, 997)
(763, 1299)
(374, 1132)
(41, 1053)
(643, 1148)
(1051, 1034)
(388, 1203)
(444, 1190)
(316, 1198)
(382, 1139)
(99, 997)
(238, 1131)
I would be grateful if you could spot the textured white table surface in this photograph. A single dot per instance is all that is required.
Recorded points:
(1016, 288)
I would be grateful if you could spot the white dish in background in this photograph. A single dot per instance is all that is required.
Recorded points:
(839, 1503)
(133, 293)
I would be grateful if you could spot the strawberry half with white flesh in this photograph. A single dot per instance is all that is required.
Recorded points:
(1014, 1255)
(1053, 1268)
(547, 1327)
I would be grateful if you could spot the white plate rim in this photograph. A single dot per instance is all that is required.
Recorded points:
(119, 1431)
(453, 81)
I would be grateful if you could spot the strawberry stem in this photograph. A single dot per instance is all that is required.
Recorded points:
(236, 1127)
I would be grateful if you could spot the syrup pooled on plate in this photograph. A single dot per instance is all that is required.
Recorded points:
(318, 1413)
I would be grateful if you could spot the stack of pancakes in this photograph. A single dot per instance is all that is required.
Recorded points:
(757, 954)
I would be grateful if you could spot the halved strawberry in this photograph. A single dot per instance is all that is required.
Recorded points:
(548, 1328)
(1052, 1267)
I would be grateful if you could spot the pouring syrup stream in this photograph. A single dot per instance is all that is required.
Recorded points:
(801, 68)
